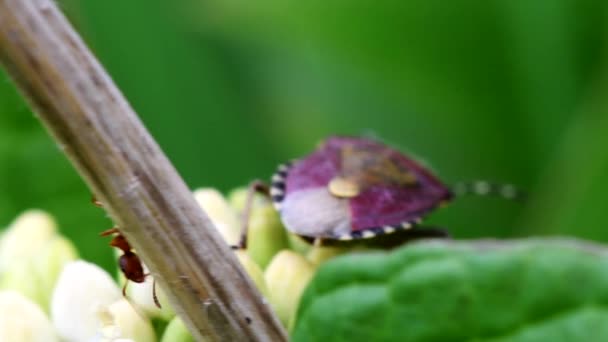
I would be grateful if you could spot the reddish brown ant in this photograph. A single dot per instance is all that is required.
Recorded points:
(129, 263)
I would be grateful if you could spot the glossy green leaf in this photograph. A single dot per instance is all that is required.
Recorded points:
(540, 290)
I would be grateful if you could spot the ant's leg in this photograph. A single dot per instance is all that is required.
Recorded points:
(156, 301)
(110, 231)
(124, 288)
(154, 296)
(96, 202)
(255, 186)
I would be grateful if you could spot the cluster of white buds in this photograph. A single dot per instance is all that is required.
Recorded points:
(88, 305)
(23, 320)
(48, 294)
(32, 254)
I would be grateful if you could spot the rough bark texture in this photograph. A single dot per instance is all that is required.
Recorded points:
(100, 133)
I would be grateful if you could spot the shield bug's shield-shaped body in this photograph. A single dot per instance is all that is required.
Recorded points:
(353, 188)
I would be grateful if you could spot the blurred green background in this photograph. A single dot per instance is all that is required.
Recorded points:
(508, 90)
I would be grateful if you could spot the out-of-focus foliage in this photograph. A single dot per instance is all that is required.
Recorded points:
(539, 290)
(34, 173)
(504, 90)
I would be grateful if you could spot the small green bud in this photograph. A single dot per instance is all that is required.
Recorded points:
(286, 277)
(221, 214)
(238, 199)
(176, 331)
(21, 277)
(22, 320)
(298, 244)
(319, 254)
(254, 271)
(266, 234)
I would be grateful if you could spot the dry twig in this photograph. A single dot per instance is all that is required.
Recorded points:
(100, 133)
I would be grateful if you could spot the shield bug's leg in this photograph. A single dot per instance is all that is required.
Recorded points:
(422, 233)
(257, 186)
(402, 237)
(428, 232)
(318, 242)
(484, 188)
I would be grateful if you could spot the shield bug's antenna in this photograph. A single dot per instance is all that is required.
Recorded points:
(485, 188)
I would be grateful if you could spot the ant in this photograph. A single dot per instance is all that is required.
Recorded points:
(129, 263)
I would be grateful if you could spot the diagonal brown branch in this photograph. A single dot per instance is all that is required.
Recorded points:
(98, 130)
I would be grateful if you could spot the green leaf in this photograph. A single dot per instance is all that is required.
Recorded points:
(537, 290)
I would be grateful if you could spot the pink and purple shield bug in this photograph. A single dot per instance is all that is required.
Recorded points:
(354, 188)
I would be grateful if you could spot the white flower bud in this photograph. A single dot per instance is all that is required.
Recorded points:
(82, 291)
(49, 263)
(286, 277)
(32, 255)
(221, 214)
(25, 237)
(21, 277)
(22, 320)
(123, 321)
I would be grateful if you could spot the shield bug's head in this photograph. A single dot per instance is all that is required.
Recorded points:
(353, 188)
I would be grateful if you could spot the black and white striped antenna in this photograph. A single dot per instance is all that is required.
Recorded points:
(485, 188)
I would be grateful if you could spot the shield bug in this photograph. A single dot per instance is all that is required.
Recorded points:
(353, 188)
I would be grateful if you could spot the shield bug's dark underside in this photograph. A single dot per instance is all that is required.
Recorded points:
(351, 188)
